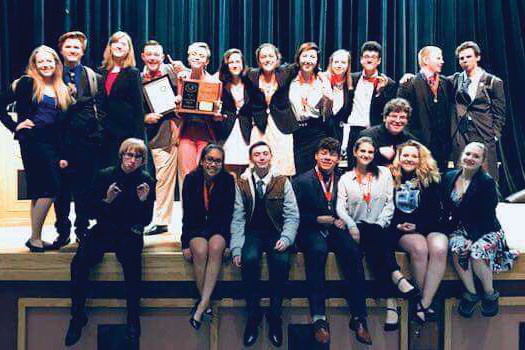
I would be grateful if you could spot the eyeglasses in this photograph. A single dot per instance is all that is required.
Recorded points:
(211, 160)
(137, 156)
(370, 57)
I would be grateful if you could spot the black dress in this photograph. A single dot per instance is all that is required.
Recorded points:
(41, 146)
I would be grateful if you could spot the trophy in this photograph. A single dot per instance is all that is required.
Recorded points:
(199, 97)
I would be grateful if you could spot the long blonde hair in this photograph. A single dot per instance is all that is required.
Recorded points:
(59, 87)
(348, 75)
(108, 62)
(427, 170)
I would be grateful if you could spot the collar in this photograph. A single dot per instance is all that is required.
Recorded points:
(265, 179)
(427, 73)
(478, 72)
(75, 70)
(375, 75)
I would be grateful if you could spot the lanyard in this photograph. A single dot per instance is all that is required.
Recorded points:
(366, 191)
(207, 192)
(327, 193)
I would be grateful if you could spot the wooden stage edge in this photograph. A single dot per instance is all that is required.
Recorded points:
(163, 261)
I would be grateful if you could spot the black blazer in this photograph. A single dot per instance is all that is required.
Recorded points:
(230, 110)
(312, 202)
(280, 104)
(477, 210)
(379, 99)
(124, 105)
(195, 219)
(26, 106)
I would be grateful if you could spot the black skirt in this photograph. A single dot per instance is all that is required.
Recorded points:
(40, 149)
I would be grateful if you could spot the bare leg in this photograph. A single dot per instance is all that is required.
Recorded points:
(416, 246)
(216, 247)
(466, 276)
(484, 273)
(199, 252)
(39, 209)
(437, 249)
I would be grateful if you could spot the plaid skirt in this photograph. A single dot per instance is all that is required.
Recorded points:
(491, 247)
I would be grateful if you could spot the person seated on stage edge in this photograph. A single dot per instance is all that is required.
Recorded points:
(273, 119)
(308, 94)
(365, 203)
(196, 130)
(392, 132)
(122, 101)
(208, 194)
(83, 135)
(476, 240)
(42, 99)
(265, 218)
(416, 225)
(162, 134)
(321, 231)
(122, 202)
(236, 129)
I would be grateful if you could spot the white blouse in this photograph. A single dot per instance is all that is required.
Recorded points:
(310, 94)
(351, 206)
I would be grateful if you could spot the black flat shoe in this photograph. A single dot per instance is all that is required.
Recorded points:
(34, 248)
(411, 294)
(391, 327)
(156, 230)
(193, 322)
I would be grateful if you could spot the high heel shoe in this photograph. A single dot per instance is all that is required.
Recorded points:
(193, 322)
(411, 294)
(391, 327)
(420, 309)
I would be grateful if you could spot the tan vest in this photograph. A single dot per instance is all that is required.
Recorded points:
(274, 199)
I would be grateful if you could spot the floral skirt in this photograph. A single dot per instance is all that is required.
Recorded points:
(491, 247)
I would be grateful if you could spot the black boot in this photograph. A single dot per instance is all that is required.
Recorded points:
(75, 330)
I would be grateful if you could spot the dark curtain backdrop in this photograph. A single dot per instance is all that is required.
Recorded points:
(401, 26)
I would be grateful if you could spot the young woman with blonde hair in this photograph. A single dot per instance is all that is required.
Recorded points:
(41, 101)
(416, 224)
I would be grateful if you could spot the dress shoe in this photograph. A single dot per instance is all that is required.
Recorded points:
(275, 330)
(321, 331)
(412, 293)
(75, 330)
(251, 332)
(362, 335)
(60, 241)
(156, 230)
(34, 248)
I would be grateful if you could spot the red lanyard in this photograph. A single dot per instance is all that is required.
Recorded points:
(207, 192)
(366, 191)
(327, 193)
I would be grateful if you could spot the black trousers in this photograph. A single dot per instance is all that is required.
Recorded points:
(76, 181)
(380, 256)
(278, 266)
(128, 248)
(315, 248)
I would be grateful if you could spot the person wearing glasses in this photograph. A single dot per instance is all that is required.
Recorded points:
(122, 199)
(392, 133)
(208, 194)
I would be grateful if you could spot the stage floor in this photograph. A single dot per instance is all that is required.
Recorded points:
(12, 238)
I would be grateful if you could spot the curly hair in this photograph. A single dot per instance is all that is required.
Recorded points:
(427, 170)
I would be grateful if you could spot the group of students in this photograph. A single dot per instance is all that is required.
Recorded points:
(273, 123)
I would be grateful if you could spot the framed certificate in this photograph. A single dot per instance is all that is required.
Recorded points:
(159, 95)
(199, 96)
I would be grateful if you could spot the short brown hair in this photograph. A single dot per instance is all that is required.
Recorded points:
(136, 145)
(306, 47)
(73, 35)
(257, 144)
(397, 104)
(151, 43)
(468, 45)
(273, 47)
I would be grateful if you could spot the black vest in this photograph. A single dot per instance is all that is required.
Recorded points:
(260, 223)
